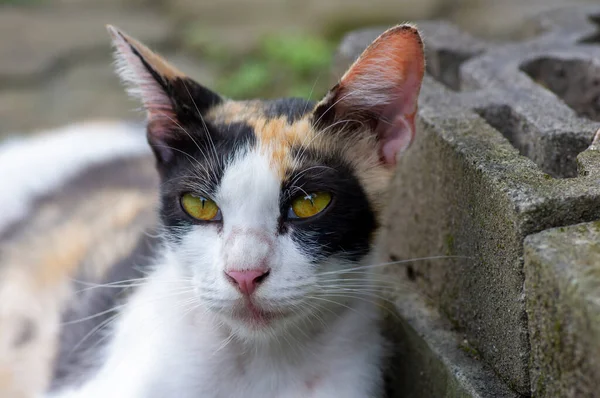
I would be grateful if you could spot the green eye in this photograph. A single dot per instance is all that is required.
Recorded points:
(309, 205)
(200, 208)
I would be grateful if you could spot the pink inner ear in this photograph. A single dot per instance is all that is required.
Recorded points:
(395, 137)
(157, 130)
(396, 128)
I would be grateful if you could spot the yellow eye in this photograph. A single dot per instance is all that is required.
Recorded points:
(309, 205)
(200, 208)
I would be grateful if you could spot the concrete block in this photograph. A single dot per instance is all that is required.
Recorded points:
(562, 283)
(495, 160)
(432, 360)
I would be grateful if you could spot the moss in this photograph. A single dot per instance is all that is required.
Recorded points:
(469, 349)
(557, 327)
(596, 226)
(450, 249)
(446, 310)
(541, 385)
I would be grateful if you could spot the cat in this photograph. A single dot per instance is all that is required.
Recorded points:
(256, 281)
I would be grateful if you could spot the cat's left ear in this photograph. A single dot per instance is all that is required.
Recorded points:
(381, 90)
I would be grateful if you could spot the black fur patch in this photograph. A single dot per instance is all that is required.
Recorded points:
(293, 109)
(190, 100)
(346, 226)
(198, 167)
(334, 110)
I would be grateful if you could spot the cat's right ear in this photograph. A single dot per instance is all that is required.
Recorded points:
(170, 98)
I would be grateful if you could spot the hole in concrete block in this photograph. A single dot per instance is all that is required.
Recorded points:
(444, 66)
(595, 37)
(555, 154)
(576, 82)
(511, 125)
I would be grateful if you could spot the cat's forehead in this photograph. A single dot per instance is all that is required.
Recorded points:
(255, 111)
(284, 132)
(278, 126)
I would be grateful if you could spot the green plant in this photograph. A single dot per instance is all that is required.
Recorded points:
(292, 65)
(302, 55)
(247, 81)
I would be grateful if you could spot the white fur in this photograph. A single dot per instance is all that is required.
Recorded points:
(34, 166)
(177, 338)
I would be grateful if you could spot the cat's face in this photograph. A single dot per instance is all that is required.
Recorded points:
(269, 206)
(293, 209)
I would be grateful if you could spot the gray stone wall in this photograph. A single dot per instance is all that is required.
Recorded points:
(503, 153)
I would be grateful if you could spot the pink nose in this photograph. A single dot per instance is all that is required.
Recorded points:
(247, 281)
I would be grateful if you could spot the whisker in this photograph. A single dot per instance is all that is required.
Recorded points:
(97, 328)
(216, 156)
(311, 92)
(306, 144)
(135, 282)
(127, 304)
(225, 343)
(194, 141)
(377, 304)
(362, 267)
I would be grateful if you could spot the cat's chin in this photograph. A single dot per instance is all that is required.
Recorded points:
(254, 318)
(251, 322)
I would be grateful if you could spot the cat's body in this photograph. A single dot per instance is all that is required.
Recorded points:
(256, 280)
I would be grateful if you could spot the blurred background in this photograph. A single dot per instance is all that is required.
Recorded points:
(55, 62)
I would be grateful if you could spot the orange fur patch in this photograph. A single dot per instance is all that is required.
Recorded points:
(64, 250)
(236, 112)
(275, 136)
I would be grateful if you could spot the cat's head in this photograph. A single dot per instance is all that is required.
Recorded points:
(268, 206)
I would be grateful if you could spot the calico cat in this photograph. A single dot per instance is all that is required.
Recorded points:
(255, 281)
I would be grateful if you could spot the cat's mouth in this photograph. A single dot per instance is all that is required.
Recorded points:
(252, 314)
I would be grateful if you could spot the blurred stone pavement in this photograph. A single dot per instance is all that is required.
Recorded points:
(55, 63)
